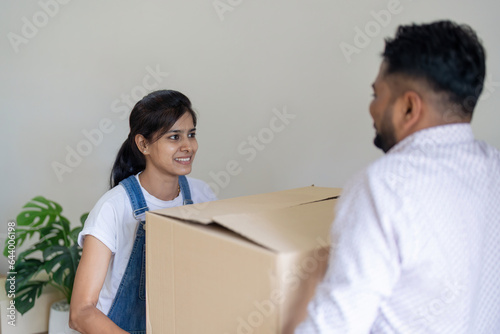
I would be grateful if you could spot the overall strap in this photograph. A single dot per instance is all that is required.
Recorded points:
(186, 193)
(135, 195)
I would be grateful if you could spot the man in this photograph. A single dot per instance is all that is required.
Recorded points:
(416, 239)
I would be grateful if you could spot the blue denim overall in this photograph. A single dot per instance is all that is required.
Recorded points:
(128, 310)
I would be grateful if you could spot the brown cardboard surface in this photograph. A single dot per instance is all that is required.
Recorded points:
(196, 286)
(203, 213)
(245, 265)
(283, 230)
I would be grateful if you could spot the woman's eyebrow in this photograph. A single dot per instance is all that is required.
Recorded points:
(180, 131)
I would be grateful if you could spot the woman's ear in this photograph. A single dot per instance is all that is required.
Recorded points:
(142, 144)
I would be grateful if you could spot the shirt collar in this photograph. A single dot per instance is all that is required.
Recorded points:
(437, 136)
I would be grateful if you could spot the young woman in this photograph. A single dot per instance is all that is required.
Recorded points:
(148, 174)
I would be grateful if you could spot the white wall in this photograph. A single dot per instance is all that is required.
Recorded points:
(70, 75)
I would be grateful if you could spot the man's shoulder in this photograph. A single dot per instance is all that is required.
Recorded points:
(379, 172)
(385, 175)
(387, 164)
(488, 149)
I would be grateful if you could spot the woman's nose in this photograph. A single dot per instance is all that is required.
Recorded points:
(186, 145)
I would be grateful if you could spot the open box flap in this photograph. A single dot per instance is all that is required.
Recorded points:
(204, 213)
(298, 228)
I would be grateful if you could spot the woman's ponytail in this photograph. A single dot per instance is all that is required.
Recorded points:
(129, 161)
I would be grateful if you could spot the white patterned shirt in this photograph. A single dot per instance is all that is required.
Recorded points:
(416, 242)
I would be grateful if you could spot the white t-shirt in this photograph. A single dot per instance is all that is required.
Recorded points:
(112, 222)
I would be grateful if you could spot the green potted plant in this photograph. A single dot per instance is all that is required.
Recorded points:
(55, 252)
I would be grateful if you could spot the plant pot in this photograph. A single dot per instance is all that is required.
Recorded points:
(59, 318)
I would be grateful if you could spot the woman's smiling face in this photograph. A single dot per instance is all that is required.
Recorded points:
(174, 152)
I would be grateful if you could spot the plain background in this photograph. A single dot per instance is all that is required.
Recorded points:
(239, 64)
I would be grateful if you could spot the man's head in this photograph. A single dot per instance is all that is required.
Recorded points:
(431, 74)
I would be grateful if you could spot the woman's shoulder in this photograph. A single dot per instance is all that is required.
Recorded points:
(196, 182)
(107, 217)
(114, 196)
(113, 204)
(201, 191)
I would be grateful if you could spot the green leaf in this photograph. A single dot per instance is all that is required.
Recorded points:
(74, 233)
(27, 294)
(53, 235)
(56, 261)
(65, 224)
(21, 256)
(76, 254)
(57, 244)
(54, 251)
(21, 234)
(62, 263)
(51, 238)
(83, 218)
(39, 211)
(38, 214)
(26, 270)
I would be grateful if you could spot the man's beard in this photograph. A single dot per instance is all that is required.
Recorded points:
(384, 142)
(385, 138)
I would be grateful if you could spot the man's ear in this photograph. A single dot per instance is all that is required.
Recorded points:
(412, 111)
(142, 144)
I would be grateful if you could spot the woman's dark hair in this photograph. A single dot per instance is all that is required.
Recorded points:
(448, 56)
(152, 117)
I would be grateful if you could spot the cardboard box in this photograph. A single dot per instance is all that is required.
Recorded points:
(241, 265)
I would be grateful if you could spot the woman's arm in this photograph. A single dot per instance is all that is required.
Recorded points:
(84, 316)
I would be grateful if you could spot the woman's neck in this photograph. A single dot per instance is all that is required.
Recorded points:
(165, 188)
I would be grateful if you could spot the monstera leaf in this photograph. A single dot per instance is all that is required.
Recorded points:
(37, 216)
(56, 252)
(27, 294)
(61, 262)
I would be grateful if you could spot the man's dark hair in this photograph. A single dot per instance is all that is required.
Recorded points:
(448, 56)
